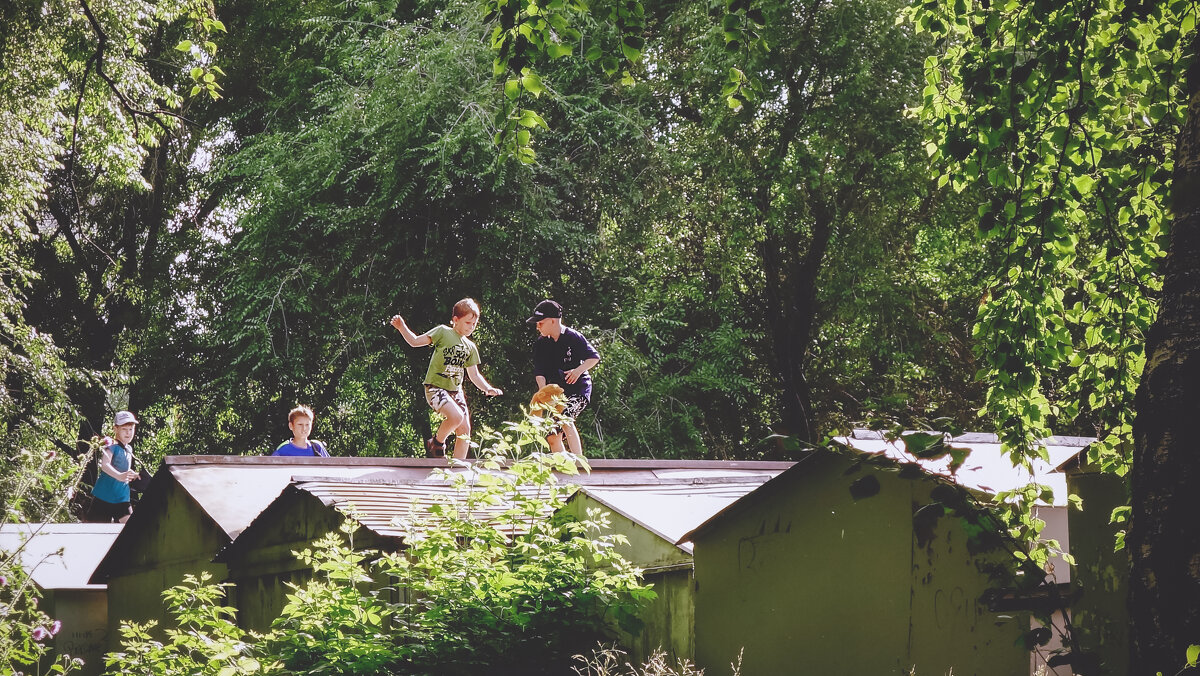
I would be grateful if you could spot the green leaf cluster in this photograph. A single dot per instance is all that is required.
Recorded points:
(1064, 117)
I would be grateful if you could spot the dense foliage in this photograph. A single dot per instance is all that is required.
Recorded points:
(80, 110)
(710, 231)
(1067, 116)
(1064, 117)
(705, 252)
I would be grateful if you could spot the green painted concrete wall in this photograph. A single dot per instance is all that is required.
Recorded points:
(1100, 616)
(669, 619)
(180, 540)
(84, 616)
(262, 568)
(809, 581)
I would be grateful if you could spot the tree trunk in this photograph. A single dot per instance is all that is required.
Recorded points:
(1164, 531)
(791, 290)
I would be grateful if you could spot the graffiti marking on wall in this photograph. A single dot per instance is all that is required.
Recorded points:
(753, 550)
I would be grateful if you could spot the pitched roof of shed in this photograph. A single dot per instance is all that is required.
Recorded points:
(234, 493)
(384, 505)
(233, 490)
(60, 555)
(986, 468)
(670, 511)
(666, 501)
(385, 508)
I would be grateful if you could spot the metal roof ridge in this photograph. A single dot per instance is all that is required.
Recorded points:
(596, 463)
(685, 481)
(367, 480)
(273, 461)
(667, 481)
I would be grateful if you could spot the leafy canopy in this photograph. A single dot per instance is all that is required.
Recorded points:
(1064, 116)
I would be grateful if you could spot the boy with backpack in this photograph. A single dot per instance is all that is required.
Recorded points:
(300, 420)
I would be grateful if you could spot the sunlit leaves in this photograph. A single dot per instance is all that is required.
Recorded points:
(76, 95)
(1065, 116)
(525, 33)
(205, 74)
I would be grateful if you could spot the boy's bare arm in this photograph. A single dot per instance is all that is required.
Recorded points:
(107, 467)
(481, 382)
(410, 337)
(574, 373)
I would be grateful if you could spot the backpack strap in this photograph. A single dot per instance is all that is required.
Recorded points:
(319, 449)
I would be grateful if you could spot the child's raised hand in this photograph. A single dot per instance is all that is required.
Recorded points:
(397, 321)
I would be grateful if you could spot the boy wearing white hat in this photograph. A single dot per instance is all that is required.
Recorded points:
(110, 495)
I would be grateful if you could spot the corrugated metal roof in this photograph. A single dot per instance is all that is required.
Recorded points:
(385, 501)
(234, 490)
(986, 468)
(389, 508)
(234, 495)
(670, 511)
(60, 555)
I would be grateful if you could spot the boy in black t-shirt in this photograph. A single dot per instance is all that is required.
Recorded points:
(562, 356)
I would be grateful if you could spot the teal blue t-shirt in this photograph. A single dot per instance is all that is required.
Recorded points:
(109, 489)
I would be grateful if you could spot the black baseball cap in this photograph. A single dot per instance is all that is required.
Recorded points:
(545, 309)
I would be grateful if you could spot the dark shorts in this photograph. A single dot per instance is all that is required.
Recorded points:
(108, 512)
(574, 406)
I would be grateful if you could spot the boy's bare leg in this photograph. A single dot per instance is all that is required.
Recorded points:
(446, 429)
(453, 417)
(556, 443)
(573, 442)
(461, 445)
(462, 441)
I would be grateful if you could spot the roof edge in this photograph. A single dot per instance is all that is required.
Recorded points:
(598, 463)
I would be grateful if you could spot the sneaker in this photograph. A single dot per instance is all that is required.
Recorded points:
(435, 448)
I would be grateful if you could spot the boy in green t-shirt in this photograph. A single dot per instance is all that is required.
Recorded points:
(453, 355)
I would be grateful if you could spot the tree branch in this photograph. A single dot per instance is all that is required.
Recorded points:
(136, 112)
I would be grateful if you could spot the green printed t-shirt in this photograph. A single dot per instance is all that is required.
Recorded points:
(452, 355)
